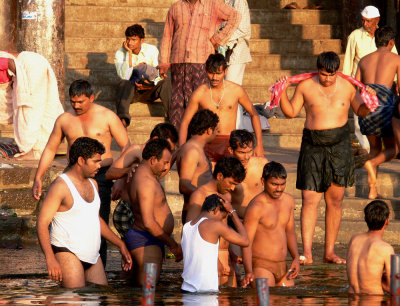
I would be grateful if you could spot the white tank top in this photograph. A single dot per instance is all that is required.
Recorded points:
(78, 228)
(200, 266)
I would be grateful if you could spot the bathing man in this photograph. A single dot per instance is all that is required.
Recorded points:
(368, 256)
(154, 221)
(222, 97)
(194, 168)
(200, 241)
(269, 222)
(72, 208)
(325, 164)
(85, 118)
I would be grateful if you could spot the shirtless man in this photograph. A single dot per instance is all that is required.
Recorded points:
(325, 165)
(194, 168)
(154, 221)
(222, 97)
(378, 69)
(269, 222)
(227, 174)
(72, 246)
(368, 257)
(85, 118)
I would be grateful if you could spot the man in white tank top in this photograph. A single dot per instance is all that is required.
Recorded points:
(71, 207)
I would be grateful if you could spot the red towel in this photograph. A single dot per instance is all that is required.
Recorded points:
(371, 101)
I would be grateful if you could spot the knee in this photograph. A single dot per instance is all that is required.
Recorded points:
(335, 203)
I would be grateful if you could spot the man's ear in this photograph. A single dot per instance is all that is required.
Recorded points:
(230, 150)
(91, 98)
(81, 161)
(153, 160)
(220, 176)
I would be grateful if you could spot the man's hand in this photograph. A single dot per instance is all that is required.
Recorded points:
(259, 151)
(37, 189)
(163, 68)
(54, 269)
(295, 267)
(247, 280)
(214, 43)
(140, 86)
(117, 189)
(131, 172)
(284, 79)
(227, 205)
(125, 46)
(177, 251)
(370, 90)
(126, 258)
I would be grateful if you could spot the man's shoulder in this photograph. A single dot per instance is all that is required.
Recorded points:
(356, 33)
(120, 52)
(149, 47)
(104, 111)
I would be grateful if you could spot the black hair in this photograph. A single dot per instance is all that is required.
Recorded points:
(241, 138)
(212, 202)
(230, 167)
(214, 61)
(165, 130)
(375, 214)
(155, 147)
(202, 121)
(135, 30)
(383, 36)
(329, 61)
(79, 88)
(84, 147)
(274, 169)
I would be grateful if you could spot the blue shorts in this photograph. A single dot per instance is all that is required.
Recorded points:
(136, 239)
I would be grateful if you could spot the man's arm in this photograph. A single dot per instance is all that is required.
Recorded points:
(11, 66)
(358, 105)
(166, 43)
(293, 107)
(244, 28)
(188, 165)
(191, 109)
(194, 208)
(47, 157)
(121, 166)
(123, 66)
(232, 17)
(292, 242)
(118, 131)
(386, 282)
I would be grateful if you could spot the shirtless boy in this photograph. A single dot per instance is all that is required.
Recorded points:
(228, 173)
(269, 222)
(85, 118)
(194, 168)
(378, 69)
(325, 165)
(368, 257)
(154, 221)
(222, 97)
(72, 246)
(200, 240)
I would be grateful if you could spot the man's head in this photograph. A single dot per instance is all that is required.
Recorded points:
(214, 205)
(166, 131)
(157, 153)
(134, 37)
(384, 37)
(86, 153)
(81, 96)
(204, 121)
(228, 172)
(216, 67)
(241, 145)
(376, 214)
(274, 178)
(370, 18)
(327, 64)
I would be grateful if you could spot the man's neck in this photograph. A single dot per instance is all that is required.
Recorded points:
(137, 51)
(378, 233)
(200, 140)
(384, 49)
(76, 173)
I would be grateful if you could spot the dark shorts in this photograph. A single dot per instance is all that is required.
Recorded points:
(136, 239)
(57, 249)
(325, 157)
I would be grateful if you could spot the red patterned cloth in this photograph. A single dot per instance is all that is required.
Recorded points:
(371, 101)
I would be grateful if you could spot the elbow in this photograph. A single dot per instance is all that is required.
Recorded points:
(245, 242)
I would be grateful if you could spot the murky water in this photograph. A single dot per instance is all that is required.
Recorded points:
(317, 285)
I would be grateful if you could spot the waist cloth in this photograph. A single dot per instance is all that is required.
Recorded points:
(218, 148)
(325, 157)
(277, 268)
(379, 123)
(136, 239)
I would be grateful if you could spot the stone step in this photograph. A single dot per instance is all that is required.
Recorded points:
(301, 3)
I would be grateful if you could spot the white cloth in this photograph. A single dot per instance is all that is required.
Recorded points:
(148, 54)
(78, 229)
(200, 260)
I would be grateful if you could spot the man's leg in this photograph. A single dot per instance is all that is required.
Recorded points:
(309, 208)
(73, 275)
(333, 215)
(264, 273)
(125, 96)
(96, 274)
(143, 255)
(163, 90)
(176, 107)
(235, 74)
(362, 139)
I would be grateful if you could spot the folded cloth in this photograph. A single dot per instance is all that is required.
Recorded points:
(144, 74)
(371, 101)
(8, 150)
(379, 123)
(123, 218)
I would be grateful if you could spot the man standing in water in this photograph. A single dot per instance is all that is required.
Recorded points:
(325, 165)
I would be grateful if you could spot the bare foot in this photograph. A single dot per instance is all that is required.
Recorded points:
(373, 193)
(305, 260)
(372, 171)
(334, 259)
(27, 156)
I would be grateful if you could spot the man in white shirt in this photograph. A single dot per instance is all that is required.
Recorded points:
(135, 52)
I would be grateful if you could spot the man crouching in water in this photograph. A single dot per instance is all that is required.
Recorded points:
(368, 257)
(72, 207)
(269, 222)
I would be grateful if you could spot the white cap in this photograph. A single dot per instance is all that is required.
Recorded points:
(370, 12)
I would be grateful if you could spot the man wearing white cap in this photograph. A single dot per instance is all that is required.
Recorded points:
(360, 43)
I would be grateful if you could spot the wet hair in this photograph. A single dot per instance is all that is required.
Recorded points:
(202, 121)
(79, 88)
(165, 130)
(84, 147)
(155, 147)
(230, 167)
(135, 30)
(212, 202)
(274, 169)
(375, 214)
(383, 36)
(329, 61)
(214, 61)
(241, 138)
